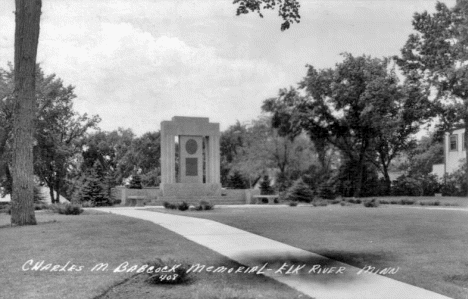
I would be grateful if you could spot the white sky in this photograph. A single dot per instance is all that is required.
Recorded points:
(139, 62)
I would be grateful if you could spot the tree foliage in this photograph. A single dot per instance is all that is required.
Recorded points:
(288, 10)
(263, 150)
(427, 152)
(58, 129)
(92, 187)
(359, 107)
(436, 55)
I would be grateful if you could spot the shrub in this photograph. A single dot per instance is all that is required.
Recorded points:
(450, 204)
(179, 276)
(326, 190)
(265, 186)
(345, 204)
(40, 206)
(204, 206)
(169, 205)
(430, 184)
(293, 204)
(320, 203)
(454, 183)
(353, 201)
(135, 182)
(300, 192)
(429, 203)
(371, 203)
(183, 206)
(66, 209)
(394, 202)
(335, 201)
(405, 185)
(406, 201)
(384, 202)
(237, 181)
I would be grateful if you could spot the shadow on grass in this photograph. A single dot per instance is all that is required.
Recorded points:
(361, 259)
(25, 226)
(324, 267)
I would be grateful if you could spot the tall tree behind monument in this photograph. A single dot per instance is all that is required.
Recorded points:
(27, 18)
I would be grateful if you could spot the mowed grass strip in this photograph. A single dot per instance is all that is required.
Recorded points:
(429, 246)
(93, 238)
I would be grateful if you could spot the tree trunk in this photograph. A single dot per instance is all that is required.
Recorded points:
(27, 18)
(466, 153)
(51, 193)
(358, 185)
(388, 182)
(360, 175)
(57, 188)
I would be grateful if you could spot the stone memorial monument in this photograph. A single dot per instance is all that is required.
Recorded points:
(199, 158)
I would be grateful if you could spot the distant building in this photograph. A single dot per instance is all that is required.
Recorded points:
(454, 153)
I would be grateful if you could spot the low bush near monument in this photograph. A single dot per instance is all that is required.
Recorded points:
(371, 203)
(66, 209)
(293, 204)
(204, 206)
(407, 201)
(169, 205)
(183, 206)
(429, 203)
(167, 272)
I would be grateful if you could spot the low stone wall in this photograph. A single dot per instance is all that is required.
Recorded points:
(121, 193)
(190, 189)
(244, 195)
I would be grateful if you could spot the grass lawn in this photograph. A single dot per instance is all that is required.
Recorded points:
(429, 246)
(93, 238)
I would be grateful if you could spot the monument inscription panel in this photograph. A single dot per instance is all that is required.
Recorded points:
(191, 165)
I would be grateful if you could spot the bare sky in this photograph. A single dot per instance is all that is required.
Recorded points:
(139, 62)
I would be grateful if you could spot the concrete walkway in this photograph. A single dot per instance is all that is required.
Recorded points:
(253, 250)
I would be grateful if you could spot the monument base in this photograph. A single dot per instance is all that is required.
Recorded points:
(186, 190)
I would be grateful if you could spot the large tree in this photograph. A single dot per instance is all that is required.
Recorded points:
(58, 129)
(360, 108)
(265, 149)
(437, 55)
(232, 143)
(27, 19)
